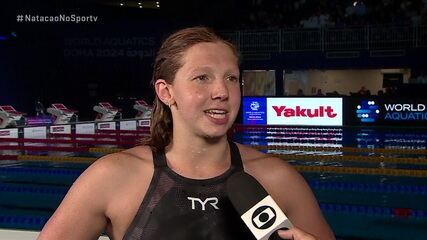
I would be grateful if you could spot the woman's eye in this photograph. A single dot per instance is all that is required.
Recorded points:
(233, 78)
(202, 78)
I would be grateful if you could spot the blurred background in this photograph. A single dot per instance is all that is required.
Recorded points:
(110, 59)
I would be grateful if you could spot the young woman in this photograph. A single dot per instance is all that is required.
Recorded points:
(173, 187)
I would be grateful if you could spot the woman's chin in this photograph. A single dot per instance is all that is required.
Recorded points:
(214, 136)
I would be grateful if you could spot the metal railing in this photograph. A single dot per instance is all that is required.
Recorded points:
(329, 39)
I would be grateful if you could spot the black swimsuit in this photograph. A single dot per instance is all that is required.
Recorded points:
(178, 208)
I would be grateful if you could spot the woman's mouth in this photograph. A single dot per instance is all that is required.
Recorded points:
(216, 113)
(217, 116)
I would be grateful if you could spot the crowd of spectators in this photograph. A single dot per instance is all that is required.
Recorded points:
(332, 13)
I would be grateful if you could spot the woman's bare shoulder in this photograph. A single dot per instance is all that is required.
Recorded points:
(275, 174)
(122, 165)
(256, 161)
(107, 191)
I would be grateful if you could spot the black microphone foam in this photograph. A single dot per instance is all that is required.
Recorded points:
(244, 191)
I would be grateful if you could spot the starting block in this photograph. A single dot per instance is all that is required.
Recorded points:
(9, 116)
(144, 110)
(106, 112)
(61, 113)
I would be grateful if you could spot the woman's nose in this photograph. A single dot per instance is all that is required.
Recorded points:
(220, 91)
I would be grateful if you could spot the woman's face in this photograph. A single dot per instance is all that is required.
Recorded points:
(206, 91)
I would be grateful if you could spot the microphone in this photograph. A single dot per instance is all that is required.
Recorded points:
(255, 206)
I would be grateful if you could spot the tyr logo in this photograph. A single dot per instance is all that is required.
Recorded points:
(212, 200)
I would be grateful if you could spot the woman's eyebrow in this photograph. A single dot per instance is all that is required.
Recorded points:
(198, 70)
(232, 72)
(201, 68)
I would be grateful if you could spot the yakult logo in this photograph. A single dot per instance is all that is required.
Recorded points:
(58, 129)
(299, 111)
(11, 133)
(4, 133)
(304, 111)
(104, 125)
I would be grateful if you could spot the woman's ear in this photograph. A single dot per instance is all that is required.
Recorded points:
(164, 92)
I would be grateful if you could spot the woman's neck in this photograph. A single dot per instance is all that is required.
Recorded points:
(199, 158)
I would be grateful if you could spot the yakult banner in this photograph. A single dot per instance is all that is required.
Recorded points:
(293, 111)
(305, 111)
(66, 129)
(106, 126)
(144, 123)
(9, 133)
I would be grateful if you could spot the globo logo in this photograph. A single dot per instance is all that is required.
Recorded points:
(264, 217)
